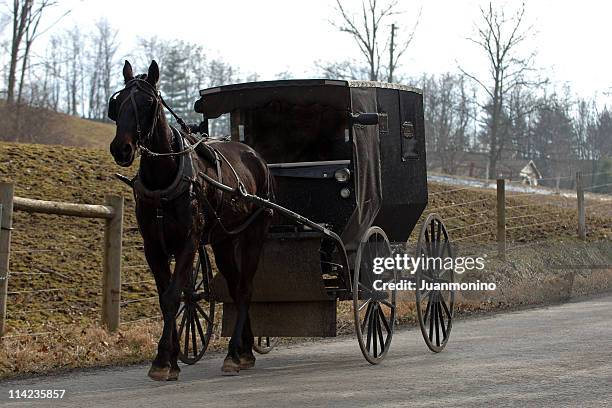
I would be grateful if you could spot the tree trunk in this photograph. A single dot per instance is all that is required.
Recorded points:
(24, 64)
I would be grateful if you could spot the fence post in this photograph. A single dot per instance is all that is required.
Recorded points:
(6, 223)
(501, 218)
(581, 210)
(111, 281)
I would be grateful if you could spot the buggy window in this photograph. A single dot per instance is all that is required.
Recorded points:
(284, 132)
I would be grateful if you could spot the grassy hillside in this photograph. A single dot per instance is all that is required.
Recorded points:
(62, 255)
(44, 126)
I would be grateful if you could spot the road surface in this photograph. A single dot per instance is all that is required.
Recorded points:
(555, 356)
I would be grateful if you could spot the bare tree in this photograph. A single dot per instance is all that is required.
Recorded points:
(500, 36)
(554, 135)
(26, 16)
(101, 67)
(448, 103)
(73, 52)
(348, 69)
(367, 29)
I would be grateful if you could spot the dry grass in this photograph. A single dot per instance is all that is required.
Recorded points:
(44, 126)
(72, 347)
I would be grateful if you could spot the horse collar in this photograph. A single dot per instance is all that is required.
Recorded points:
(182, 183)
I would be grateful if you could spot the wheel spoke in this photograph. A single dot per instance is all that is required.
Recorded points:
(182, 325)
(379, 330)
(426, 277)
(194, 317)
(444, 272)
(434, 241)
(369, 337)
(200, 330)
(446, 310)
(364, 304)
(366, 318)
(365, 288)
(384, 320)
(186, 349)
(199, 285)
(386, 303)
(426, 314)
(427, 243)
(446, 248)
(442, 324)
(431, 320)
(181, 309)
(425, 294)
(437, 323)
(203, 313)
(374, 334)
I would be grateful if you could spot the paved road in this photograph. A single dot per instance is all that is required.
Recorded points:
(555, 356)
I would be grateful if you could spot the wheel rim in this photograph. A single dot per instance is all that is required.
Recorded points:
(374, 311)
(196, 312)
(434, 307)
(264, 345)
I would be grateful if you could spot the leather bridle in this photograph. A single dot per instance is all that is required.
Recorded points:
(141, 85)
(134, 86)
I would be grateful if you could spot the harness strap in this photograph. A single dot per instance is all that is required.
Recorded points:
(217, 220)
(159, 220)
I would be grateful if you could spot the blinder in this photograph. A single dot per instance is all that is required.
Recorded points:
(113, 108)
(134, 85)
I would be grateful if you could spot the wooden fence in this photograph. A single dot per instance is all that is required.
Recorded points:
(111, 212)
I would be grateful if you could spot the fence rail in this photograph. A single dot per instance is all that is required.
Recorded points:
(112, 213)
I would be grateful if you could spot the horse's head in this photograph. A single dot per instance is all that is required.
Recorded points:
(135, 110)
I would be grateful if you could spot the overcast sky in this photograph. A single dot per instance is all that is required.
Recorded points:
(272, 36)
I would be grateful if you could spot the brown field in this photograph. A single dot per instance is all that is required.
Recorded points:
(56, 268)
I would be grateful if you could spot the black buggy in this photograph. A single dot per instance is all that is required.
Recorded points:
(350, 169)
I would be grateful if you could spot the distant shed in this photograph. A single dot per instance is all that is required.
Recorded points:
(530, 174)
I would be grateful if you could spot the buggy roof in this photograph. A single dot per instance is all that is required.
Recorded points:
(218, 100)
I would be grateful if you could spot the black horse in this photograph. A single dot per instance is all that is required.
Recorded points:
(177, 210)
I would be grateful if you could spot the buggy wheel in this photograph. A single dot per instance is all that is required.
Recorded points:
(196, 312)
(264, 345)
(374, 310)
(434, 307)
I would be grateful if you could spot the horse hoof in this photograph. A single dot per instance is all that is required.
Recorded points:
(247, 361)
(230, 367)
(173, 374)
(159, 373)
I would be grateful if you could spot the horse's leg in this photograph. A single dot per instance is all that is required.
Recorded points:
(247, 358)
(166, 351)
(161, 272)
(225, 258)
(250, 246)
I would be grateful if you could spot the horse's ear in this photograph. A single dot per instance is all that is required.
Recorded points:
(128, 74)
(153, 74)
